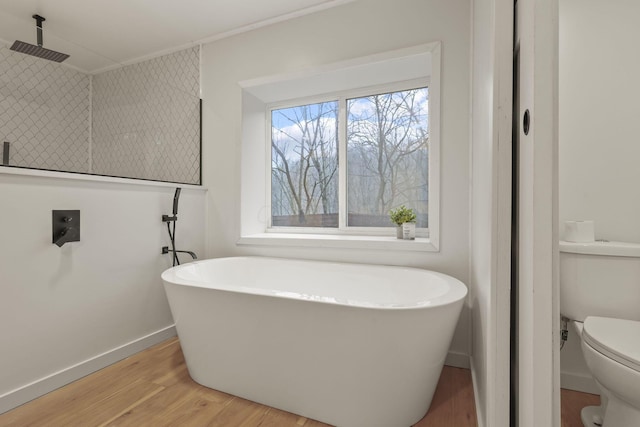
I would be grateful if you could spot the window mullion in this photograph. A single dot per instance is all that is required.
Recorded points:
(268, 170)
(342, 163)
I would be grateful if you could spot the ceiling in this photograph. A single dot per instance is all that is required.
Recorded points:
(103, 34)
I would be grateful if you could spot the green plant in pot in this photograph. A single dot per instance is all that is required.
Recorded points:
(399, 216)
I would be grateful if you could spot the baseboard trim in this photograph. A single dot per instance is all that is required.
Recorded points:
(24, 394)
(479, 409)
(457, 360)
(577, 382)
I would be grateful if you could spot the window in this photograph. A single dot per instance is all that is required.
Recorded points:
(327, 152)
(386, 141)
(304, 165)
(387, 156)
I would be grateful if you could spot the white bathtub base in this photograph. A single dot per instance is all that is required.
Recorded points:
(369, 365)
(365, 378)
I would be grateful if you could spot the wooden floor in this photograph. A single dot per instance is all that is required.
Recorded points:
(153, 388)
(572, 403)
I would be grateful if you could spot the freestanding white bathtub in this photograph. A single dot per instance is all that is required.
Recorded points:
(346, 344)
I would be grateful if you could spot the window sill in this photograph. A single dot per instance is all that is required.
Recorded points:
(420, 244)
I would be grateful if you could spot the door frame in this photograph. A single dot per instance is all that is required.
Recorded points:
(537, 279)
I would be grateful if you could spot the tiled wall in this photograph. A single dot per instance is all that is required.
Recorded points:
(146, 119)
(138, 121)
(44, 113)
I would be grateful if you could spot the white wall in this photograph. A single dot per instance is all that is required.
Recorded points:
(491, 208)
(599, 91)
(353, 30)
(481, 279)
(65, 312)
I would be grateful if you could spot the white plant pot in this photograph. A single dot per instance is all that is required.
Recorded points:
(399, 232)
(409, 231)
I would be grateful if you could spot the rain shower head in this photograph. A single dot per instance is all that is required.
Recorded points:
(38, 51)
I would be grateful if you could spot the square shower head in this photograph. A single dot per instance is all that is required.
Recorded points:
(38, 51)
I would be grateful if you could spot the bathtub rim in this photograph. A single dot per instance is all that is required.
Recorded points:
(456, 293)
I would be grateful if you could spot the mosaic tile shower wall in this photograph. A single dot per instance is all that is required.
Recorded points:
(138, 121)
(146, 119)
(44, 113)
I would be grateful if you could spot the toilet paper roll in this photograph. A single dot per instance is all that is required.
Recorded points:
(579, 231)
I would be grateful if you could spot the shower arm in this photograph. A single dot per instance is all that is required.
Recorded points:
(39, 20)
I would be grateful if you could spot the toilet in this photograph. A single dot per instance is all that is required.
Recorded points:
(600, 294)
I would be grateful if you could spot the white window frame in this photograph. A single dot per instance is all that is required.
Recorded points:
(384, 72)
(341, 98)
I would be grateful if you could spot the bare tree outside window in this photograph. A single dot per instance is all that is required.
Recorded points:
(387, 156)
(304, 165)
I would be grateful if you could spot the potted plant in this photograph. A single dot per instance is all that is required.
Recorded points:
(404, 215)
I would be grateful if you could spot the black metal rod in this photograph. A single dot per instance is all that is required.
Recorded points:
(5, 153)
(39, 20)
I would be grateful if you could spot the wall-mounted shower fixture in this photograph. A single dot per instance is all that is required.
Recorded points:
(171, 228)
(5, 153)
(176, 198)
(65, 226)
(38, 51)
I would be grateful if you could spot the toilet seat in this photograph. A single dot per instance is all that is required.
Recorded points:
(618, 339)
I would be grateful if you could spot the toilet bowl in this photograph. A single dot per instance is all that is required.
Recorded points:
(600, 293)
(611, 348)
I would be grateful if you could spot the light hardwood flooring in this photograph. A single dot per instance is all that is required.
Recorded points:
(153, 388)
(572, 403)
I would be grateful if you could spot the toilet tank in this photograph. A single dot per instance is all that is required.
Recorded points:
(600, 279)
